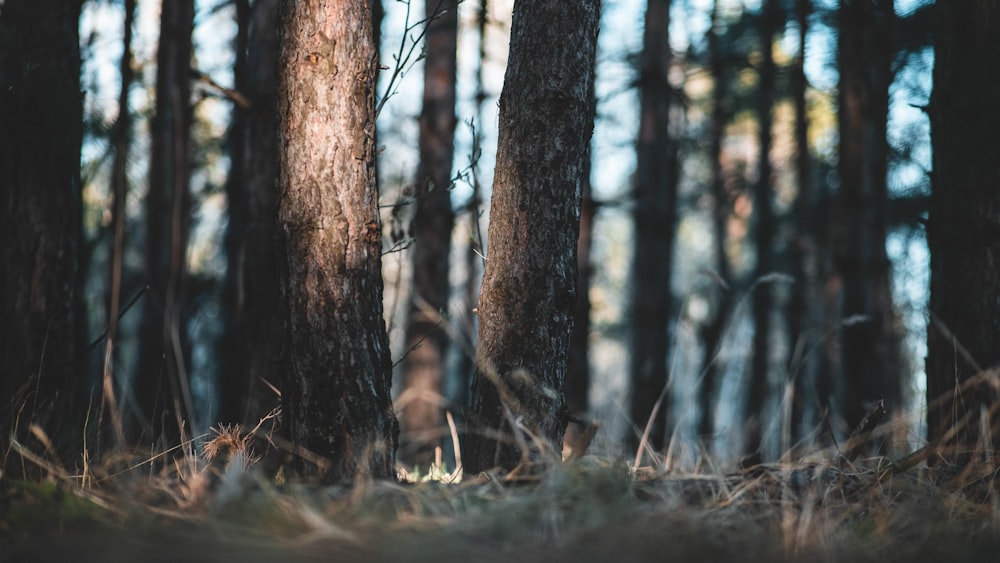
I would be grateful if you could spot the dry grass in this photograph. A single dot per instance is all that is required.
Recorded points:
(218, 503)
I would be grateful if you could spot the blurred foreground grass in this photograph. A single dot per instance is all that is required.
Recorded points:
(590, 509)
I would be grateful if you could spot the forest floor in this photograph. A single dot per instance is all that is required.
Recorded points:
(591, 509)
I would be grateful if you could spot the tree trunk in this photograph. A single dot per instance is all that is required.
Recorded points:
(251, 342)
(234, 385)
(427, 341)
(121, 140)
(964, 229)
(42, 336)
(337, 371)
(529, 286)
(162, 399)
(868, 342)
(712, 333)
(655, 211)
(803, 251)
(763, 301)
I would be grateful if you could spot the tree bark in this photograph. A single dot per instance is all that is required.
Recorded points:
(42, 325)
(529, 286)
(868, 341)
(655, 216)
(963, 232)
(251, 344)
(162, 399)
(427, 340)
(337, 371)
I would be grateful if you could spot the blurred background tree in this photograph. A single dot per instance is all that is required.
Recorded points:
(43, 376)
(962, 234)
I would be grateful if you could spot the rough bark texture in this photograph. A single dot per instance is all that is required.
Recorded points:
(251, 342)
(427, 340)
(336, 366)
(963, 233)
(529, 286)
(764, 225)
(870, 367)
(655, 216)
(41, 317)
(160, 384)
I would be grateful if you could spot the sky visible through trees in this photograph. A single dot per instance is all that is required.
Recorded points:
(613, 157)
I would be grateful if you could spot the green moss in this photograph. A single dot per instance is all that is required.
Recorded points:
(29, 510)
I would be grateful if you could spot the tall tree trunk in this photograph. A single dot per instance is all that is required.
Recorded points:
(234, 383)
(529, 286)
(42, 336)
(763, 301)
(162, 399)
(713, 331)
(250, 346)
(427, 341)
(337, 371)
(655, 211)
(868, 342)
(802, 249)
(121, 140)
(964, 229)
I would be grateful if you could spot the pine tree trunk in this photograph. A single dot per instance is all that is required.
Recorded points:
(233, 385)
(764, 222)
(337, 371)
(529, 286)
(42, 338)
(655, 216)
(121, 140)
(803, 251)
(251, 342)
(161, 394)
(427, 340)
(868, 341)
(712, 333)
(963, 232)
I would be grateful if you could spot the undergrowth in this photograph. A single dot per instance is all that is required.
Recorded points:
(218, 503)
